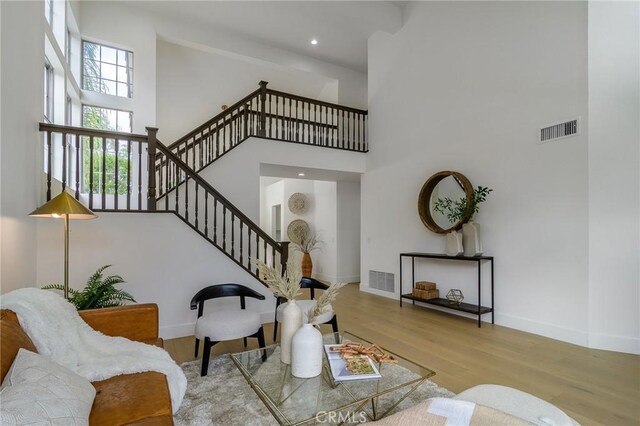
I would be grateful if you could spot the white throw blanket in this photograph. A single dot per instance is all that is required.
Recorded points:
(59, 333)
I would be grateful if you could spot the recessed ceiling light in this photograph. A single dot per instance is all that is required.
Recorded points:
(314, 41)
(300, 174)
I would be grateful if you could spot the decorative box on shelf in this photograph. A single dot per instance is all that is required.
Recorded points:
(426, 294)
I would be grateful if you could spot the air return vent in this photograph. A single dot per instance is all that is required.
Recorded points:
(382, 281)
(559, 131)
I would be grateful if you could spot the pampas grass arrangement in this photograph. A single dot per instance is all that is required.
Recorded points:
(327, 297)
(285, 285)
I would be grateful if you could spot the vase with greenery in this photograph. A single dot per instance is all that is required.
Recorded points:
(99, 292)
(286, 285)
(308, 244)
(457, 210)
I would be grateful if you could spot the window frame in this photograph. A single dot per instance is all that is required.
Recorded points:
(67, 49)
(49, 91)
(128, 67)
(48, 12)
(98, 180)
(83, 105)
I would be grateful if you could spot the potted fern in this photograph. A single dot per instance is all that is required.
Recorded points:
(98, 293)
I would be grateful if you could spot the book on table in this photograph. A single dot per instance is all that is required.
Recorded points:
(350, 367)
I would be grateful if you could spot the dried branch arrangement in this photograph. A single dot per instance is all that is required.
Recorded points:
(308, 244)
(328, 296)
(350, 349)
(287, 285)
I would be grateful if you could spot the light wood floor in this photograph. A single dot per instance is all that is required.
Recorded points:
(592, 386)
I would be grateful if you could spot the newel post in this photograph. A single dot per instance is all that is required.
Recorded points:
(263, 110)
(284, 256)
(151, 165)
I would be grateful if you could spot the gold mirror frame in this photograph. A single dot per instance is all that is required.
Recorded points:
(424, 208)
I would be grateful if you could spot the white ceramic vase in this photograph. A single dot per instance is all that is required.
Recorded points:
(471, 239)
(454, 244)
(306, 352)
(291, 322)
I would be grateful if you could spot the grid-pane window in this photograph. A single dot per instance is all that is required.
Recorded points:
(48, 92)
(107, 69)
(99, 155)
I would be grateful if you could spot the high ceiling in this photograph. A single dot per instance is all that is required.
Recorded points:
(341, 27)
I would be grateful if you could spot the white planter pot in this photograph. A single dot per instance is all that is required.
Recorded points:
(291, 322)
(306, 352)
(454, 244)
(471, 239)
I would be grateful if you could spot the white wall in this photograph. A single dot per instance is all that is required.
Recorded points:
(21, 70)
(325, 220)
(139, 30)
(271, 195)
(614, 179)
(348, 231)
(169, 267)
(192, 84)
(112, 23)
(333, 211)
(237, 174)
(465, 87)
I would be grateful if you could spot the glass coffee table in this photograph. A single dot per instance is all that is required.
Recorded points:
(294, 401)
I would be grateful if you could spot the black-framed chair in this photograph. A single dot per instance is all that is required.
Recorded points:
(225, 324)
(327, 317)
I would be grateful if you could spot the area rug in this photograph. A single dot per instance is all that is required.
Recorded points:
(225, 398)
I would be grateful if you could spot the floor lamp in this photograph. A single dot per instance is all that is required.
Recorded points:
(64, 206)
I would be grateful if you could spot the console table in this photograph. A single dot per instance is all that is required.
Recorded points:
(469, 308)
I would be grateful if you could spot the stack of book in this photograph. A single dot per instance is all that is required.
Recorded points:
(350, 367)
(426, 290)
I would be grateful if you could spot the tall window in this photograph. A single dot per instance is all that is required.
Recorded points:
(107, 69)
(99, 157)
(48, 10)
(48, 92)
(67, 51)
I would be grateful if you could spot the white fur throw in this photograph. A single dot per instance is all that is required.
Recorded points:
(59, 333)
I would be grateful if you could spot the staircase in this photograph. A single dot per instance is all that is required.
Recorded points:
(109, 171)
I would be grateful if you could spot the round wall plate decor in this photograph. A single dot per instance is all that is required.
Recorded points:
(297, 203)
(297, 231)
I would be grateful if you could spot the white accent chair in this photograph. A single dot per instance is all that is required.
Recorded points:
(227, 324)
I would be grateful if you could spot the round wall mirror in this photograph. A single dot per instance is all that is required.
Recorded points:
(446, 184)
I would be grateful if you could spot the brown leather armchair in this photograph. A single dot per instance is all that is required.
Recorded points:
(128, 399)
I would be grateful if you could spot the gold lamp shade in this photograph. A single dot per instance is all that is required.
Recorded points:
(64, 206)
(61, 205)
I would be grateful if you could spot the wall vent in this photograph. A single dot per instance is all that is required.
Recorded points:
(559, 131)
(384, 281)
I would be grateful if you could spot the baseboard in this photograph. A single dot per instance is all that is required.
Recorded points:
(348, 279)
(630, 345)
(566, 334)
(325, 278)
(182, 330)
(389, 295)
(175, 331)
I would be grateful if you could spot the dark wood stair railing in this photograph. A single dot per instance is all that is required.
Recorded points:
(108, 172)
(116, 171)
(215, 218)
(84, 161)
(270, 114)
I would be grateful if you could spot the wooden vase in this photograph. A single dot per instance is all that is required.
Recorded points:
(307, 265)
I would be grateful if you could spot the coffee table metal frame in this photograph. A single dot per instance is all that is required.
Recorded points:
(357, 403)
